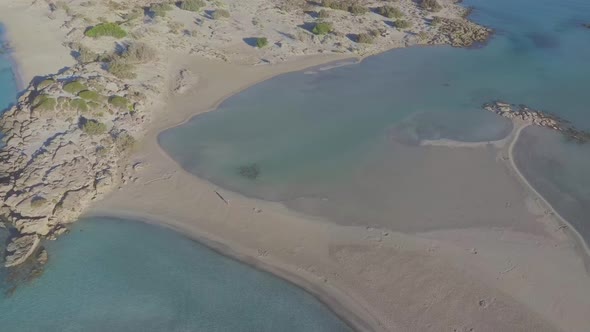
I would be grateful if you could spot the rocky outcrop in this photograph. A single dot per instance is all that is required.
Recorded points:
(538, 118)
(62, 148)
(20, 249)
(459, 32)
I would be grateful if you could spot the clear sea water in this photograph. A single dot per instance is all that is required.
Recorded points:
(8, 85)
(322, 142)
(115, 275)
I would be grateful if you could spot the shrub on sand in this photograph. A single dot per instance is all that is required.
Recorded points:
(160, 9)
(365, 38)
(119, 102)
(403, 24)
(431, 5)
(219, 14)
(261, 42)
(93, 127)
(106, 29)
(121, 69)
(192, 5)
(322, 28)
(390, 12)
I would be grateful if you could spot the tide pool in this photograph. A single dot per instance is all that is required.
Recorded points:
(116, 275)
(322, 142)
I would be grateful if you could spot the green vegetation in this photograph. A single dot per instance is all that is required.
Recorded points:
(423, 35)
(390, 12)
(90, 95)
(431, 5)
(403, 24)
(106, 29)
(251, 171)
(192, 5)
(351, 6)
(37, 202)
(44, 102)
(219, 14)
(322, 28)
(79, 105)
(160, 9)
(357, 9)
(119, 102)
(93, 127)
(261, 42)
(121, 69)
(74, 87)
(124, 141)
(365, 38)
(45, 83)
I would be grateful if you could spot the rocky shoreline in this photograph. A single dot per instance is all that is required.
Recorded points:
(64, 145)
(538, 118)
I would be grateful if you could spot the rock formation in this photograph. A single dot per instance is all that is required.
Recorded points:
(459, 32)
(62, 149)
(538, 118)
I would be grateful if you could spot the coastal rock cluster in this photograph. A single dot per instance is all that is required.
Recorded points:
(459, 32)
(62, 148)
(538, 118)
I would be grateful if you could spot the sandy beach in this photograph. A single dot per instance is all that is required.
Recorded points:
(371, 272)
(454, 279)
(36, 41)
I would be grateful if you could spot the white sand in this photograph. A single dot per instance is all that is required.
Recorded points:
(36, 40)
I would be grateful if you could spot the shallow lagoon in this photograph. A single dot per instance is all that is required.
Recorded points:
(336, 143)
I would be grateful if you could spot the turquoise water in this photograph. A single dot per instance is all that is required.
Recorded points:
(115, 275)
(319, 136)
(8, 86)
